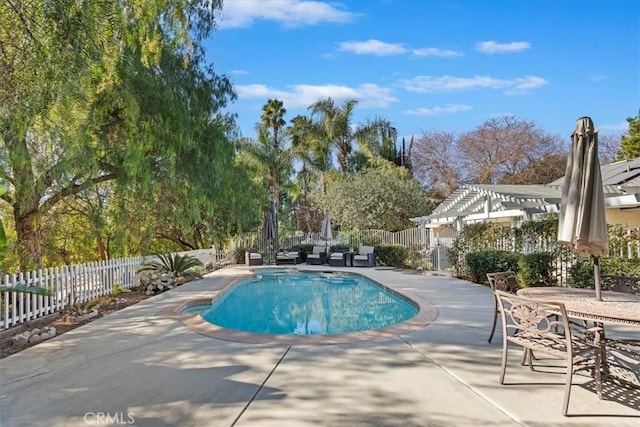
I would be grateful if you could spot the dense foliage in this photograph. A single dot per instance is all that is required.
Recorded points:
(376, 199)
(112, 107)
(630, 143)
(490, 261)
(536, 269)
(391, 255)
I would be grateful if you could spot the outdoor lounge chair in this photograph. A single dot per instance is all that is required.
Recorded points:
(288, 257)
(338, 258)
(365, 257)
(252, 257)
(318, 256)
(544, 327)
(504, 281)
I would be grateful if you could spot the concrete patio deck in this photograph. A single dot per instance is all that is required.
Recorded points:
(137, 368)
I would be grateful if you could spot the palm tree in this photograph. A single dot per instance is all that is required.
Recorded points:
(273, 118)
(339, 133)
(272, 163)
(307, 146)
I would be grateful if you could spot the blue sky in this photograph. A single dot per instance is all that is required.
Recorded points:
(435, 65)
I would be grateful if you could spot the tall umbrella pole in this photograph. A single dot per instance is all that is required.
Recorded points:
(596, 273)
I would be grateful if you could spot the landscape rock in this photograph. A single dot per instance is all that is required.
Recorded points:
(20, 339)
(35, 338)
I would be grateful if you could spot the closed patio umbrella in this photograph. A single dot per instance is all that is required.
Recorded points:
(268, 232)
(582, 223)
(325, 231)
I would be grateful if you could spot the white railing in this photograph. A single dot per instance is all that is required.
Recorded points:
(77, 284)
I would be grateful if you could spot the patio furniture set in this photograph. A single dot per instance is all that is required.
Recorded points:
(320, 255)
(568, 324)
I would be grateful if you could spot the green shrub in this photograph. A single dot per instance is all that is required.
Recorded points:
(536, 269)
(238, 255)
(391, 255)
(178, 266)
(620, 267)
(490, 261)
(581, 274)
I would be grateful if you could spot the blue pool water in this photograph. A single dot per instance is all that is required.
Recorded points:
(308, 303)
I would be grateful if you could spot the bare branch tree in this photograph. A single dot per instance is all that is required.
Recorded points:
(502, 146)
(434, 160)
(608, 147)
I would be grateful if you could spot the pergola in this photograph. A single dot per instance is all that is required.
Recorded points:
(514, 203)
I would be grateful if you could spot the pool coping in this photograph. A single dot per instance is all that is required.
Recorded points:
(427, 313)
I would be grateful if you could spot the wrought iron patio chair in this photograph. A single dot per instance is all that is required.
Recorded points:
(544, 327)
(505, 281)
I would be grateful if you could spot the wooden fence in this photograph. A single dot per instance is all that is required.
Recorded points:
(76, 284)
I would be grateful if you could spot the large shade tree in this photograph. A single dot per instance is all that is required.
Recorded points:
(501, 146)
(101, 91)
(502, 149)
(383, 197)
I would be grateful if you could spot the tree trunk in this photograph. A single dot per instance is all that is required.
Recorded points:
(29, 238)
(102, 250)
(26, 198)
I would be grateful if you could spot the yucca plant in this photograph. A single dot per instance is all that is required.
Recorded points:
(175, 265)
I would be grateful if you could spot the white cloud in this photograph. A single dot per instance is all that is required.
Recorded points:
(597, 78)
(430, 84)
(436, 111)
(525, 84)
(372, 47)
(242, 72)
(290, 13)
(433, 51)
(491, 47)
(368, 95)
(620, 127)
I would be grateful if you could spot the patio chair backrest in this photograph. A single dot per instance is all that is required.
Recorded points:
(527, 319)
(319, 249)
(365, 250)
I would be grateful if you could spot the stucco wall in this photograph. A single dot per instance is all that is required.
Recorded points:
(625, 217)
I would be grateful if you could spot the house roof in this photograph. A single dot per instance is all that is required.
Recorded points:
(625, 172)
(621, 182)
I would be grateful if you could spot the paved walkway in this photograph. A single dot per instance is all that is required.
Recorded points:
(136, 368)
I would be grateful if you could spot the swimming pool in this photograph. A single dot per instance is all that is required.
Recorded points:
(289, 302)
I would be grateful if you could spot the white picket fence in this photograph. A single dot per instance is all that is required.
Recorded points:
(77, 284)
